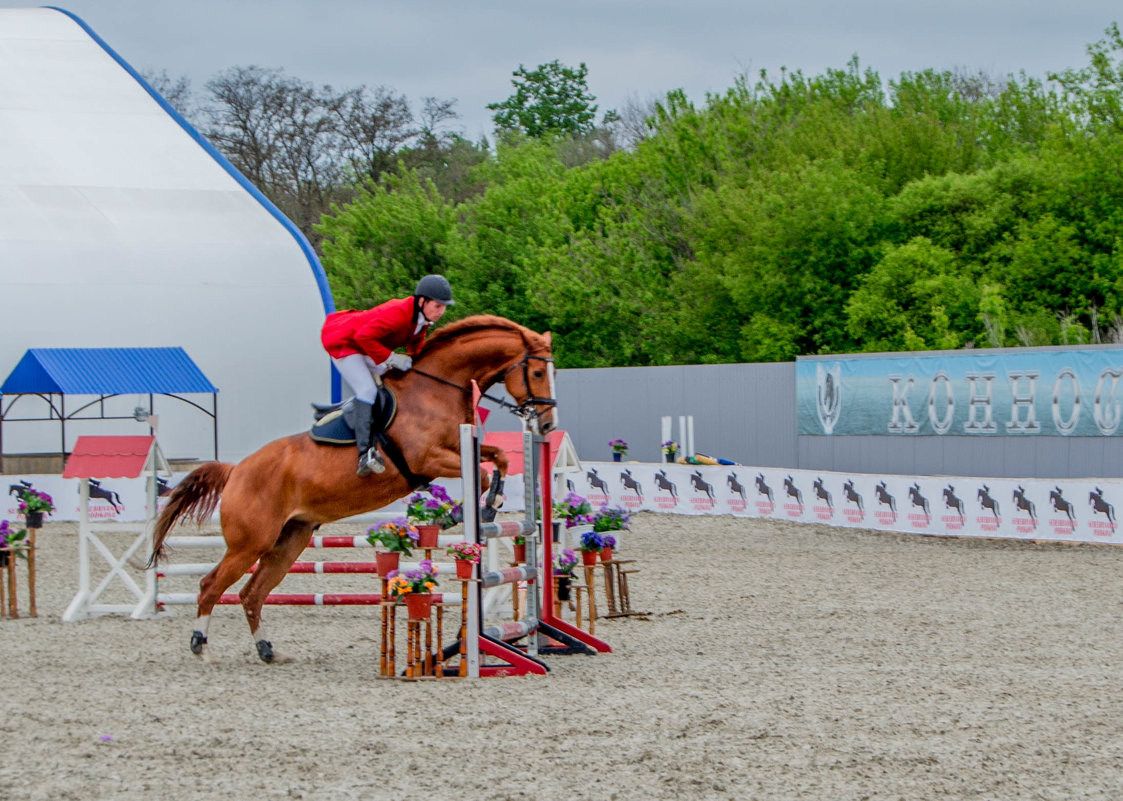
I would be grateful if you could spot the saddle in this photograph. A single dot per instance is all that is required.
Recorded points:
(334, 422)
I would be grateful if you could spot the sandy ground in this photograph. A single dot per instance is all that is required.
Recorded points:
(777, 661)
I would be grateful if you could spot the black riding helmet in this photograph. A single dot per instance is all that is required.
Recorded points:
(435, 287)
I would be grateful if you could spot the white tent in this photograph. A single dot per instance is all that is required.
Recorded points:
(121, 227)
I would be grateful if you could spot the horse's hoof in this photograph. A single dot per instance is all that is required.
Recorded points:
(198, 640)
(265, 650)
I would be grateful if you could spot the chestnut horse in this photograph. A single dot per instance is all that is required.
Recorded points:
(275, 498)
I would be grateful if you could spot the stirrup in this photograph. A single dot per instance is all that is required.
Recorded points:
(370, 462)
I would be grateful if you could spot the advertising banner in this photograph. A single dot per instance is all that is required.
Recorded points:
(1016, 393)
(1071, 510)
(1036, 509)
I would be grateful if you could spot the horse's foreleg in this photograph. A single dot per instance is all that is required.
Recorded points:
(497, 456)
(271, 570)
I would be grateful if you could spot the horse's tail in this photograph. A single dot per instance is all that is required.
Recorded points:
(195, 498)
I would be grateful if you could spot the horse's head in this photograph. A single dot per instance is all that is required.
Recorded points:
(530, 381)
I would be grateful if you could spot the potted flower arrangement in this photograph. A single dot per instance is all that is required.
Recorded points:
(567, 561)
(464, 555)
(591, 544)
(430, 513)
(519, 544)
(610, 518)
(11, 541)
(670, 450)
(33, 504)
(416, 587)
(397, 536)
(573, 509)
(619, 449)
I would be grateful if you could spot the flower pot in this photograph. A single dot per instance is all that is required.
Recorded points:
(33, 519)
(670, 457)
(606, 554)
(387, 561)
(428, 535)
(464, 569)
(616, 457)
(588, 558)
(520, 552)
(563, 587)
(419, 605)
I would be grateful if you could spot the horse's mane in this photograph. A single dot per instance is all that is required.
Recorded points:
(469, 325)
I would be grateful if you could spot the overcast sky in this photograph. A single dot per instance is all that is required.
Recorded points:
(634, 49)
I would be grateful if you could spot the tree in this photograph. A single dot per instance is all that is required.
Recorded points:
(373, 124)
(552, 100)
(280, 133)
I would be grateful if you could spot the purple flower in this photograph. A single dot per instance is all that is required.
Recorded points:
(609, 541)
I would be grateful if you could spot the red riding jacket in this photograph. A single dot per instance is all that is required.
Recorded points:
(375, 332)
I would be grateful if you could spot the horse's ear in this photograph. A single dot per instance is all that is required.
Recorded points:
(549, 340)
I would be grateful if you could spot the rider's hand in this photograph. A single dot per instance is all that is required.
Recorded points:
(399, 361)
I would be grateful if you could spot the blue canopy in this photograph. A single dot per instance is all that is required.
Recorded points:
(106, 371)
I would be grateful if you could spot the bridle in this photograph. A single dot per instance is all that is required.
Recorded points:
(527, 409)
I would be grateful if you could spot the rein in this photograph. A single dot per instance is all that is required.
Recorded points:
(526, 408)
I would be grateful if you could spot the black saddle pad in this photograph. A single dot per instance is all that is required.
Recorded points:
(334, 427)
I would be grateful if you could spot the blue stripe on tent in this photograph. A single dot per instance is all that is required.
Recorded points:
(106, 371)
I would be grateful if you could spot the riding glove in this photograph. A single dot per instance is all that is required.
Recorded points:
(399, 361)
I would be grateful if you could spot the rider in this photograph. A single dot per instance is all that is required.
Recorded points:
(362, 344)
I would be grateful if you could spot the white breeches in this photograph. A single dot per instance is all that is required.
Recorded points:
(359, 372)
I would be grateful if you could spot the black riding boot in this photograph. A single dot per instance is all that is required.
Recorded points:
(370, 461)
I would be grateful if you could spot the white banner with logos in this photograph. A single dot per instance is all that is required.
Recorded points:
(1073, 510)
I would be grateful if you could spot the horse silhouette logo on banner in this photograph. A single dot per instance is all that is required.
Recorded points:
(828, 395)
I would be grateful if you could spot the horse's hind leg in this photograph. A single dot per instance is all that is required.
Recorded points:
(232, 567)
(271, 570)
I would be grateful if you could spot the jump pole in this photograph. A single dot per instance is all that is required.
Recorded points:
(568, 637)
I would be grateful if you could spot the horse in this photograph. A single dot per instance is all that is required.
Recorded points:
(762, 487)
(276, 498)
(735, 485)
(883, 497)
(595, 481)
(1060, 504)
(987, 502)
(916, 499)
(1025, 504)
(853, 496)
(792, 491)
(701, 484)
(952, 501)
(1101, 504)
(663, 482)
(821, 492)
(629, 482)
(107, 495)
